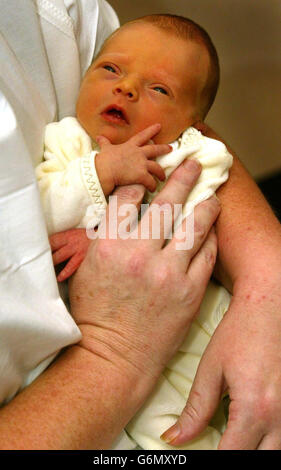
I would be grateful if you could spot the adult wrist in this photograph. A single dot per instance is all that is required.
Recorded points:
(128, 369)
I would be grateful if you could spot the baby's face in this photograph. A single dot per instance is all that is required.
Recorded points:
(143, 76)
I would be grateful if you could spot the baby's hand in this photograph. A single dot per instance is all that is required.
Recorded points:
(129, 163)
(71, 244)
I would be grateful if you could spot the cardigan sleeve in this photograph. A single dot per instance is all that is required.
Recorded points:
(67, 177)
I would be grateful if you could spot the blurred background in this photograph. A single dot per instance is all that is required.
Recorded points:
(246, 112)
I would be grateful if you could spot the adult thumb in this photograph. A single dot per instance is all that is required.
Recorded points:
(202, 402)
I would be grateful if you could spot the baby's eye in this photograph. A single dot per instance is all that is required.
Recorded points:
(161, 90)
(109, 68)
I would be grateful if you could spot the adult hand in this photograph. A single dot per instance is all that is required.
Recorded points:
(244, 355)
(144, 294)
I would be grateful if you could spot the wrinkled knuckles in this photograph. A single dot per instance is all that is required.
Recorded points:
(190, 413)
(130, 193)
(136, 264)
(162, 277)
(162, 204)
(199, 230)
(191, 294)
(268, 406)
(210, 255)
(211, 205)
(105, 250)
(185, 176)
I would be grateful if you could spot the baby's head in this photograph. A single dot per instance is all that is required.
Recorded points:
(156, 69)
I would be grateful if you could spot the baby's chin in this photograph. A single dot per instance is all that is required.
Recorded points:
(120, 136)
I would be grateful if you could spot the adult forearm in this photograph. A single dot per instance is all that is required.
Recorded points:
(80, 402)
(249, 234)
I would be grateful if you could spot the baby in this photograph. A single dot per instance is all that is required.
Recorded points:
(153, 78)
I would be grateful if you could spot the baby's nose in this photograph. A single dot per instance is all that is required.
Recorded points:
(127, 88)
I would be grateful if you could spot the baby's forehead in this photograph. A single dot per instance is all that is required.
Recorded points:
(146, 35)
(130, 38)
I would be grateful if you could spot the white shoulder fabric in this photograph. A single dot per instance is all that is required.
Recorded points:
(39, 78)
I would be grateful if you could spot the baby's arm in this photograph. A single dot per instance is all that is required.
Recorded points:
(116, 165)
(67, 177)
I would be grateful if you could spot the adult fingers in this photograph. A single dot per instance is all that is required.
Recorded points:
(271, 442)
(205, 215)
(202, 401)
(191, 234)
(122, 211)
(145, 135)
(242, 432)
(158, 219)
(203, 263)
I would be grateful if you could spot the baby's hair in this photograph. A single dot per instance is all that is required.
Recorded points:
(189, 30)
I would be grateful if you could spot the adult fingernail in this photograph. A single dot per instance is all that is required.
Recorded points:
(171, 434)
(190, 164)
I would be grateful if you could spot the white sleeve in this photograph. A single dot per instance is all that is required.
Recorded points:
(34, 323)
(67, 179)
(43, 56)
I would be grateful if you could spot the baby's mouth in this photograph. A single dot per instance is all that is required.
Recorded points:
(115, 114)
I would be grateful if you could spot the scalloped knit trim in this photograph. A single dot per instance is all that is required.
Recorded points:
(91, 180)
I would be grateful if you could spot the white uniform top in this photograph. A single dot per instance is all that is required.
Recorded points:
(45, 48)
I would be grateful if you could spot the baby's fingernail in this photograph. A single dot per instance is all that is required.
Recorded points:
(171, 434)
(191, 164)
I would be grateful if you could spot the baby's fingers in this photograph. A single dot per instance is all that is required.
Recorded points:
(58, 240)
(62, 254)
(148, 181)
(102, 141)
(153, 151)
(144, 136)
(156, 170)
(71, 267)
